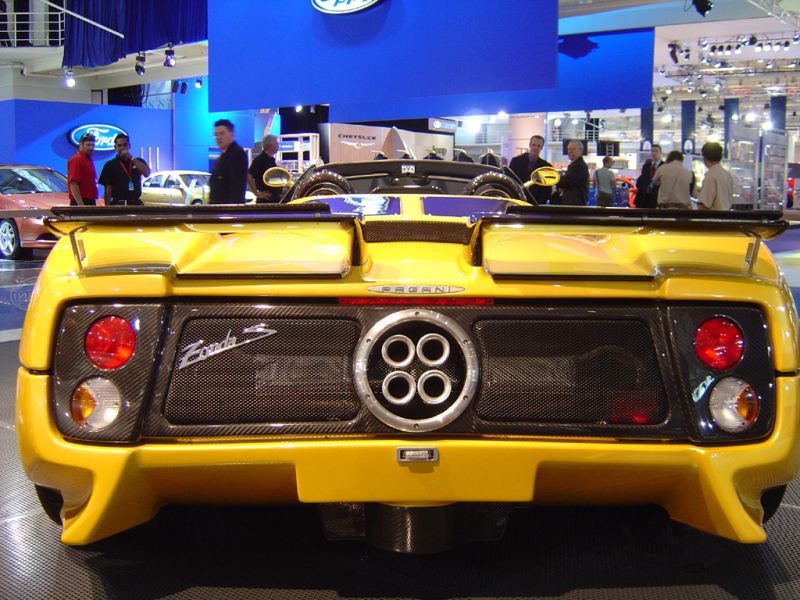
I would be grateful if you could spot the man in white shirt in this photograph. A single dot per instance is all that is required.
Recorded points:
(717, 190)
(674, 182)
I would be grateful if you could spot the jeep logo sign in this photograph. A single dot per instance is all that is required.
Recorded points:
(103, 134)
(342, 7)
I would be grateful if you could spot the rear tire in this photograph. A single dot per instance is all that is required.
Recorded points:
(51, 502)
(10, 245)
(771, 501)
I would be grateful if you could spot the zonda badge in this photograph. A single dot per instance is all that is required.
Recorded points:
(197, 352)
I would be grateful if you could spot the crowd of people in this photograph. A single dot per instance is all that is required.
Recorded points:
(661, 184)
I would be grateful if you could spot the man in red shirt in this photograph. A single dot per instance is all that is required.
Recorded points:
(81, 174)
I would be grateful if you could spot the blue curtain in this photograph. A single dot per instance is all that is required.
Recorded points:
(146, 24)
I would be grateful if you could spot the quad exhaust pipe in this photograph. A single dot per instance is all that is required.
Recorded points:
(433, 387)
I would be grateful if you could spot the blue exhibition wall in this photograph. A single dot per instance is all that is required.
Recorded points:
(41, 130)
(194, 128)
(595, 71)
(282, 53)
(7, 148)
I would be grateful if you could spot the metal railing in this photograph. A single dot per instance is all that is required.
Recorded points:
(43, 28)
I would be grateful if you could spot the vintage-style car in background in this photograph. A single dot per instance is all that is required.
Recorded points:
(28, 187)
(415, 349)
(179, 188)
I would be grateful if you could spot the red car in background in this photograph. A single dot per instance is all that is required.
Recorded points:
(28, 187)
(792, 175)
(627, 184)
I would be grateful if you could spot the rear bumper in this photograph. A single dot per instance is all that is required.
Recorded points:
(108, 489)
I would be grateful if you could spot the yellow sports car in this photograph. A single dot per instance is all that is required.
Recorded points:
(415, 349)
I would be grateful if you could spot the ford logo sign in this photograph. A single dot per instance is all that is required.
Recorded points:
(342, 7)
(103, 134)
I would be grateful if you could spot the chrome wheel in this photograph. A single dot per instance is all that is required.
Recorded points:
(9, 239)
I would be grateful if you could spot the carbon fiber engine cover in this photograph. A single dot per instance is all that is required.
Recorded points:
(576, 371)
(264, 371)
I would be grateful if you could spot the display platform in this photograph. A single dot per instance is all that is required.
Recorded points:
(208, 552)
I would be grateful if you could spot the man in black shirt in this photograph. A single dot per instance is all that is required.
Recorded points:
(122, 175)
(229, 174)
(255, 174)
(574, 184)
(526, 163)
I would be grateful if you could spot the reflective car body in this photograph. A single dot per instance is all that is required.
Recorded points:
(28, 187)
(415, 363)
(178, 188)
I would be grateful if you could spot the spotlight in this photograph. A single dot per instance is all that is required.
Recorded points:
(771, 64)
(139, 66)
(690, 89)
(717, 86)
(673, 52)
(662, 70)
(703, 6)
(713, 49)
(719, 64)
(738, 49)
(728, 50)
(703, 43)
(796, 38)
(759, 46)
(767, 47)
(169, 56)
(184, 87)
(786, 46)
(69, 78)
(668, 90)
(703, 93)
(298, 108)
(198, 83)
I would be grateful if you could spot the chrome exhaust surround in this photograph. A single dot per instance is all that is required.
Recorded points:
(431, 382)
(431, 344)
(393, 374)
(398, 351)
(398, 381)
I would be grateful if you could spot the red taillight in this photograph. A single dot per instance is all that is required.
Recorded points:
(719, 343)
(110, 342)
(417, 300)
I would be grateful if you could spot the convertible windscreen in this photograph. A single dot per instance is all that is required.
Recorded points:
(31, 181)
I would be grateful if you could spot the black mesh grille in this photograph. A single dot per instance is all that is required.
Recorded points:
(301, 373)
(569, 371)
(414, 231)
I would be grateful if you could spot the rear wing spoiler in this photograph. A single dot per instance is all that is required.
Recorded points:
(469, 231)
(764, 224)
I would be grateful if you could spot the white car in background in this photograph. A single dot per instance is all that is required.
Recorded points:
(179, 188)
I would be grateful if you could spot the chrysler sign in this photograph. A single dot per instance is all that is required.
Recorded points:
(104, 135)
(342, 7)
